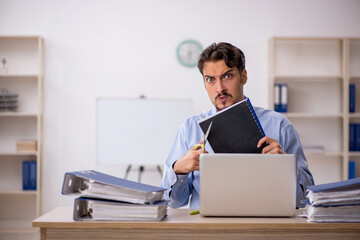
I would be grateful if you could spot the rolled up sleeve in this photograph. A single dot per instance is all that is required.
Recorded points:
(292, 145)
(177, 186)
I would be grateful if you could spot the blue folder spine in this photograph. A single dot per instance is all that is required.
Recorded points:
(277, 97)
(284, 97)
(281, 97)
(352, 137)
(357, 137)
(25, 175)
(351, 169)
(32, 175)
(352, 97)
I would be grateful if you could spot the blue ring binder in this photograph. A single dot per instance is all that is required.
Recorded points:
(255, 117)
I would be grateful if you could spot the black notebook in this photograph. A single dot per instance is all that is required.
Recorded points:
(235, 129)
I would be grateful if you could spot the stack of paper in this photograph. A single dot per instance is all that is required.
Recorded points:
(334, 202)
(96, 209)
(105, 197)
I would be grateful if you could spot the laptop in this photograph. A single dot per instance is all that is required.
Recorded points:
(248, 185)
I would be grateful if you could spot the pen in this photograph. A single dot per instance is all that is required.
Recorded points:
(195, 212)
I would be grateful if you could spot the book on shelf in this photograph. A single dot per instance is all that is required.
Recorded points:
(334, 202)
(352, 169)
(26, 175)
(235, 129)
(354, 137)
(352, 97)
(29, 175)
(281, 97)
(106, 210)
(100, 194)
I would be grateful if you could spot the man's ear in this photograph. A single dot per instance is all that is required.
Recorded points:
(244, 77)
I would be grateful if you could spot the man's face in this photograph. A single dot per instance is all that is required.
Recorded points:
(223, 84)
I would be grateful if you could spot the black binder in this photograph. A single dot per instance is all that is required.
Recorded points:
(235, 129)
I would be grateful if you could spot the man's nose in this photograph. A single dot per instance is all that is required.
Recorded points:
(220, 88)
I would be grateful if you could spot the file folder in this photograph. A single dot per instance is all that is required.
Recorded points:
(25, 175)
(336, 186)
(352, 98)
(32, 175)
(106, 210)
(93, 184)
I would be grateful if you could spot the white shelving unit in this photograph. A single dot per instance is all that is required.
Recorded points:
(354, 78)
(318, 72)
(23, 75)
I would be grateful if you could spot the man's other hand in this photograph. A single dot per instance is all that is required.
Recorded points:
(273, 146)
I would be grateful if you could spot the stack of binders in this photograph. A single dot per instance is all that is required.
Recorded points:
(334, 202)
(105, 197)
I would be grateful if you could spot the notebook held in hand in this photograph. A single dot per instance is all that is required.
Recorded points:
(235, 129)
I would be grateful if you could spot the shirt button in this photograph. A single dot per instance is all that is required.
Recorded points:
(182, 180)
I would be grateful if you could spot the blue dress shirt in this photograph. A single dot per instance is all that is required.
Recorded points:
(187, 186)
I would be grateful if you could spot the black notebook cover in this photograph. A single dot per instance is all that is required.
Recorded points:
(235, 129)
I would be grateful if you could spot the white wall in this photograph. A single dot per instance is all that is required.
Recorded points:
(124, 48)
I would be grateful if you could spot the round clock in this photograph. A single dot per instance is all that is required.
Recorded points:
(188, 52)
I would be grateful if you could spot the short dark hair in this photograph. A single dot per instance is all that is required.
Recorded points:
(232, 56)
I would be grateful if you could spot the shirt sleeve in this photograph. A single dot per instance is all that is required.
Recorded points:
(178, 187)
(292, 145)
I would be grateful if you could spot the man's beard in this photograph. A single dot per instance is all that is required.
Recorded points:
(223, 104)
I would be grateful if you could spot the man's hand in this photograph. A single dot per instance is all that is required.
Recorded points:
(273, 147)
(189, 162)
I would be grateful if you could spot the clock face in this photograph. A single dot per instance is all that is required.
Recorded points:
(188, 52)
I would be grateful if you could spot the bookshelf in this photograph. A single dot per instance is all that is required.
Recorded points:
(21, 73)
(318, 72)
(354, 78)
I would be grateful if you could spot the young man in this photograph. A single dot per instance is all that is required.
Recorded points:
(222, 66)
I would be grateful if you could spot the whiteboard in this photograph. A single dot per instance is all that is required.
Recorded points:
(138, 131)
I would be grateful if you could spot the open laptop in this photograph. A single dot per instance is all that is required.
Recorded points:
(247, 185)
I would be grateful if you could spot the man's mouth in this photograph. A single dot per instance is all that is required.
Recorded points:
(223, 97)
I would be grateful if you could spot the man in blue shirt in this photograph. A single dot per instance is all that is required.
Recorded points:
(222, 66)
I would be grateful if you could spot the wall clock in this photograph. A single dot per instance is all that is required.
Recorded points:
(188, 52)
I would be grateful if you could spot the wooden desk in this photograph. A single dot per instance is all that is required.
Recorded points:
(58, 224)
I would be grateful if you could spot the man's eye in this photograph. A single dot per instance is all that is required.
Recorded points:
(209, 80)
(227, 76)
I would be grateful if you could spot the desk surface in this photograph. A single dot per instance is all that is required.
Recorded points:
(182, 223)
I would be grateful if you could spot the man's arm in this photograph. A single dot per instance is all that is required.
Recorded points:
(292, 145)
(180, 162)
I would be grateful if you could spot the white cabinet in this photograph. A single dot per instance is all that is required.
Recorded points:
(21, 73)
(318, 72)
